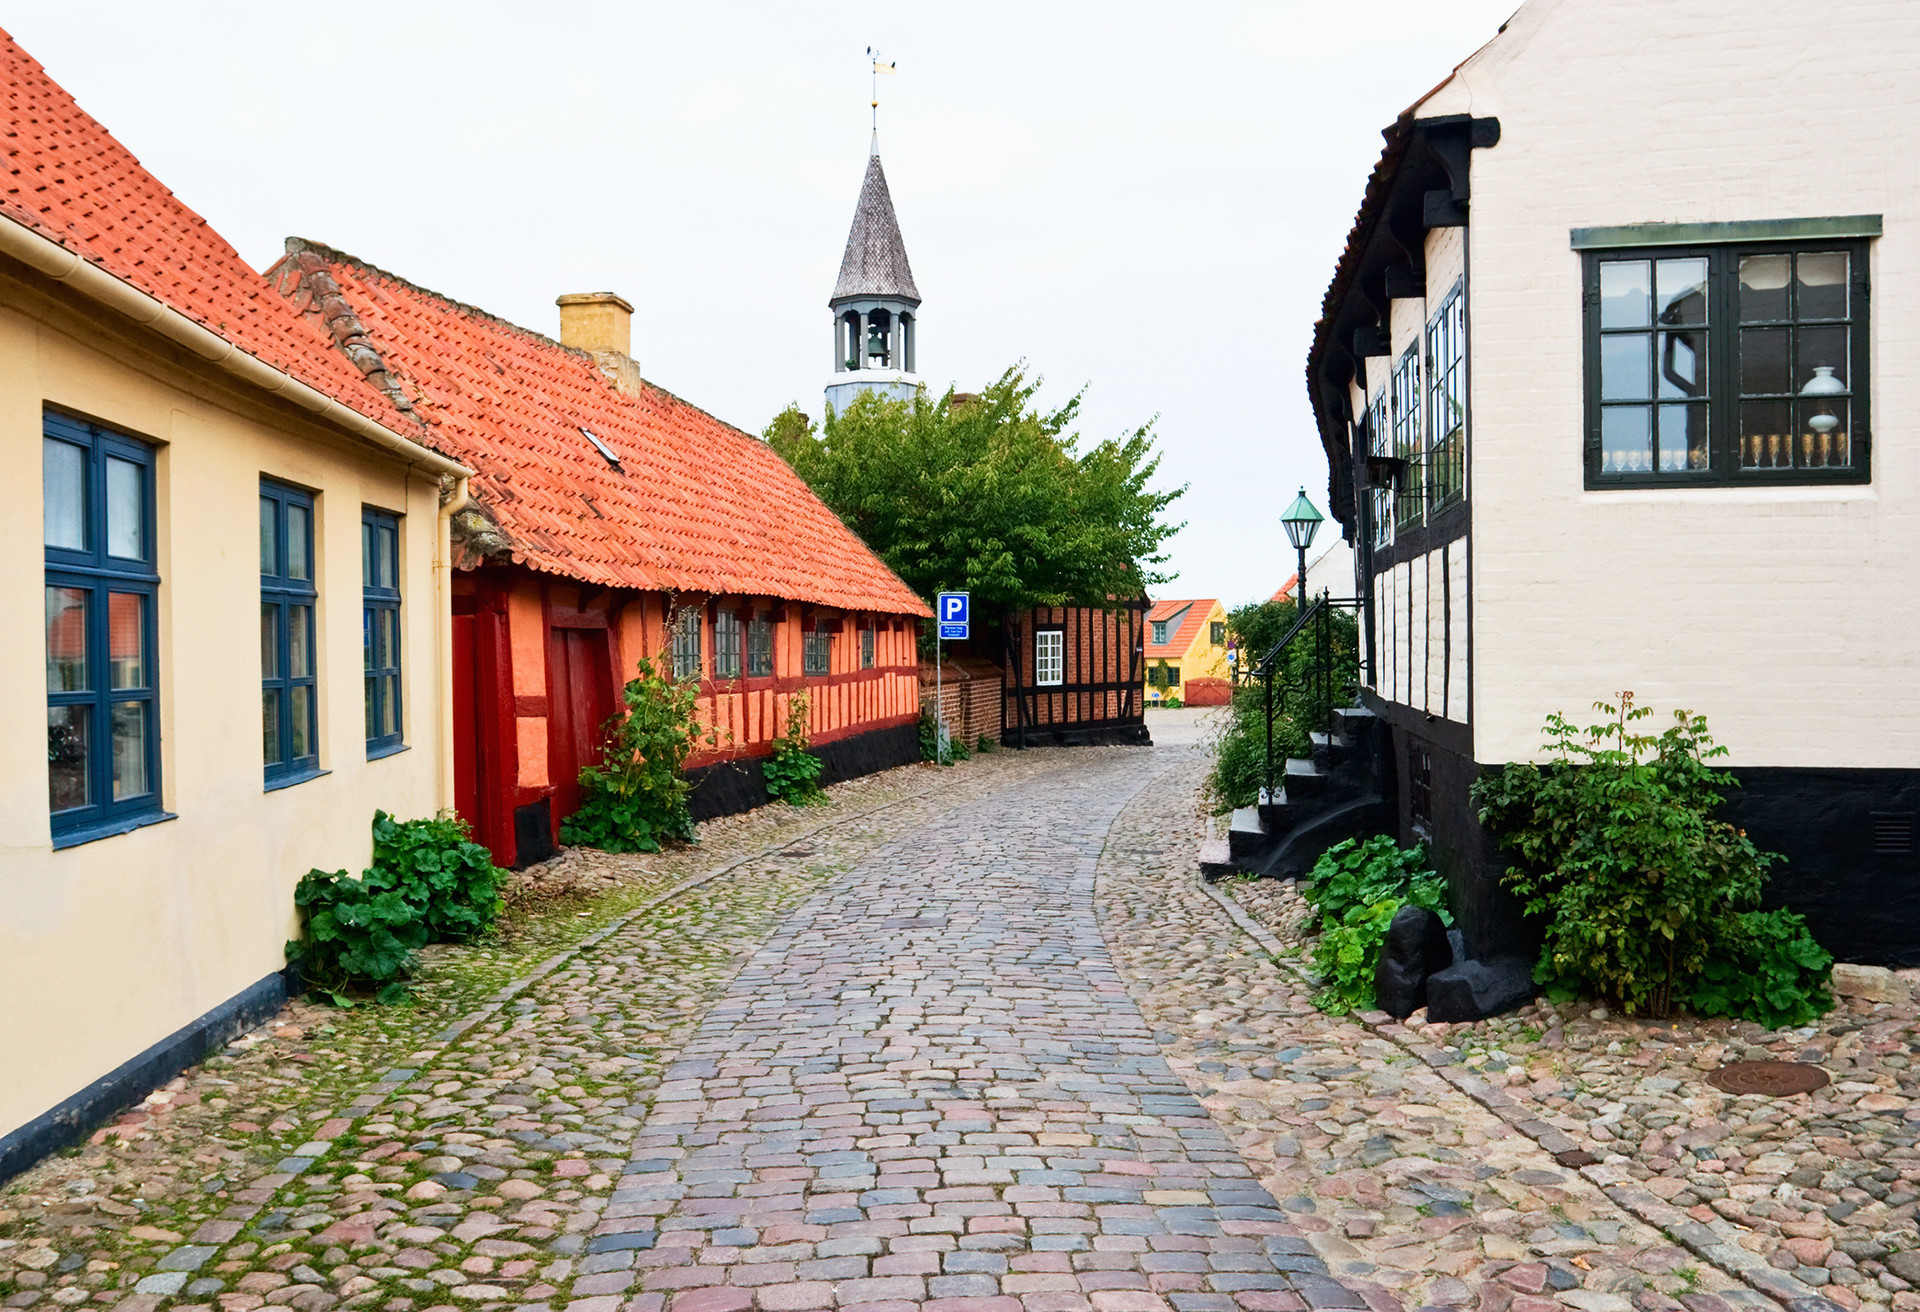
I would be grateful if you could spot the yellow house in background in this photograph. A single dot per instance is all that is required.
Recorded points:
(1187, 653)
(241, 560)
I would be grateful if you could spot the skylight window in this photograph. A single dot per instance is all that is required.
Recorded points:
(600, 446)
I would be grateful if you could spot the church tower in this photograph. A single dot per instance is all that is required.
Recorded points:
(876, 307)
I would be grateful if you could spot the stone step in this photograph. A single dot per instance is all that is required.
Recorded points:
(1246, 833)
(1304, 778)
(1215, 859)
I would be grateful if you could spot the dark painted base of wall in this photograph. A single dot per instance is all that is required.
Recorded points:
(1115, 735)
(77, 1117)
(731, 787)
(533, 833)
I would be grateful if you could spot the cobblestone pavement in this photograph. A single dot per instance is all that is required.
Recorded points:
(1404, 1186)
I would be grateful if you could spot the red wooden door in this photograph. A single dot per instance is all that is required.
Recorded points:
(466, 726)
(579, 700)
(479, 792)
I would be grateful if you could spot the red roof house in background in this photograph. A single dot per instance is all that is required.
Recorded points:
(611, 520)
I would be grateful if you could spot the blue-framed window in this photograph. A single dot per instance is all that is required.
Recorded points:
(103, 708)
(289, 714)
(380, 628)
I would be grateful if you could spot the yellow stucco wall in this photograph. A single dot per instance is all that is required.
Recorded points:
(1202, 659)
(109, 946)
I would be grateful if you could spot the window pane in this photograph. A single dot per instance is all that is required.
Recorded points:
(126, 509)
(1823, 432)
(1763, 361)
(126, 640)
(67, 640)
(270, 726)
(1624, 440)
(299, 542)
(388, 631)
(372, 718)
(1820, 292)
(299, 722)
(130, 731)
(1625, 293)
(1624, 373)
(1683, 364)
(300, 642)
(63, 489)
(367, 615)
(390, 704)
(389, 557)
(269, 554)
(67, 757)
(1683, 438)
(1764, 429)
(1821, 348)
(369, 566)
(1763, 288)
(269, 641)
(1683, 291)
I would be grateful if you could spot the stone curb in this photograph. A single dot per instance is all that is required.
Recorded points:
(1716, 1243)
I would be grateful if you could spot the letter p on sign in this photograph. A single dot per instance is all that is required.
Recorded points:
(951, 607)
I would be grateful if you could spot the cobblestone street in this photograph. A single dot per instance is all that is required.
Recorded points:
(965, 1040)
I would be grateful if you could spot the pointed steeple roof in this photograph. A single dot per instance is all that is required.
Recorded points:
(876, 260)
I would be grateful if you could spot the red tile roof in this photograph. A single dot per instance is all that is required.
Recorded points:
(695, 504)
(1180, 641)
(69, 180)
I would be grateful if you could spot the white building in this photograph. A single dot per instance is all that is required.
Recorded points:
(1616, 378)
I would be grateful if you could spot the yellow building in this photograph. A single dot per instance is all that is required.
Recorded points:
(213, 506)
(1187, 653)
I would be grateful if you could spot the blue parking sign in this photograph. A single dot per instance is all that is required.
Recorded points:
(951, 609)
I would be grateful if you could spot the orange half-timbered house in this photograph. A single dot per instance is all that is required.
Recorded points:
(609, 521)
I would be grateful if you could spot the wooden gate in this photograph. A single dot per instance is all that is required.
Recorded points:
(1085, 686)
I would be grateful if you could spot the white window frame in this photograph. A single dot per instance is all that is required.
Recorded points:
(1049, 658)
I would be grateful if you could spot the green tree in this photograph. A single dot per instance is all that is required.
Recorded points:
(989, 493)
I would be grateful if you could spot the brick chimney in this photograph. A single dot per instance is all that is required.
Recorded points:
(601, 324)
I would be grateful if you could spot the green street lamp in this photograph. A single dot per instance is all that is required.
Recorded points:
(1301, 521)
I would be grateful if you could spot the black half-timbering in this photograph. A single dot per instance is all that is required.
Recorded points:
(1726, 353)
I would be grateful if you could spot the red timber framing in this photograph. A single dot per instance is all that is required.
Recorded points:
(1098, 697)
(539, 664)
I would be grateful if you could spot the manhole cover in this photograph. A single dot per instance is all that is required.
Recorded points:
(1773, 1078)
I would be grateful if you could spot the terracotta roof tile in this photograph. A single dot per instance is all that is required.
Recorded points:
(1180, 641)
(68, 179)
(694, 505)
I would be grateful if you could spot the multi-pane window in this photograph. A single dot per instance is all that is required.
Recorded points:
(289, 710)
(1727, 364)
(1380, 443)
(760, 646)
(1049, 657)
(866, 646)
(1217, 632)
(1447, 401)
(686, 643)
(380, 627)
(1159, 633)
(1404, 387)
(726, 645)
(816, 648)
(103, 731)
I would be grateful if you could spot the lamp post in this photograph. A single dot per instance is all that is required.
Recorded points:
(1301, 521)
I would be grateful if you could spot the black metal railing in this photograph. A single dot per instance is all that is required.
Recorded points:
(1309, 690)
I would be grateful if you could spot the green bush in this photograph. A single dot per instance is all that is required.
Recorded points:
(636, 798)
(429, 883)
(1240, 750)
(1171, 703)
(1356, 890)
(930, 742)
(985, 745)
(792, 772)
(1649, 898)
(1240, 743)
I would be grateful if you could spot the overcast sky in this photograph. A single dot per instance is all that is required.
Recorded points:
(1142, 199)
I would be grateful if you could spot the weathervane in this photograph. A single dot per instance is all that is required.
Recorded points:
(880, 65)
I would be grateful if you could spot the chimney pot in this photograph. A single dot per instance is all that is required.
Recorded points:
(596, 321)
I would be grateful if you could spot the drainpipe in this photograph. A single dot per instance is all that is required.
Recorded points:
(443, 630)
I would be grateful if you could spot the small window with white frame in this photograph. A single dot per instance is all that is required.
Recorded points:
(1049, 658)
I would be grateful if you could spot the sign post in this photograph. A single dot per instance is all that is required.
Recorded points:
(951, 621)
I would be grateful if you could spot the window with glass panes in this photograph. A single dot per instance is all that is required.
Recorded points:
(1404, 387)
(760, 646)
(1217, 633)
(1446, 401)
(1380, 443)
(726, 644)
(816, 648)
(1727, 364)
(686, 644)
(866, 647)
(380, 627)
(289, 695)
(1049, 657)
(103, 725)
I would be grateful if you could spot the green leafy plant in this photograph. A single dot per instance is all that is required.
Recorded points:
(1648, 897)
(1240, 740)
(985, 745)
(1171, 703)
(636, 798)
(956, 749)
(429, 883)
(792, 772)
(1356, 890)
